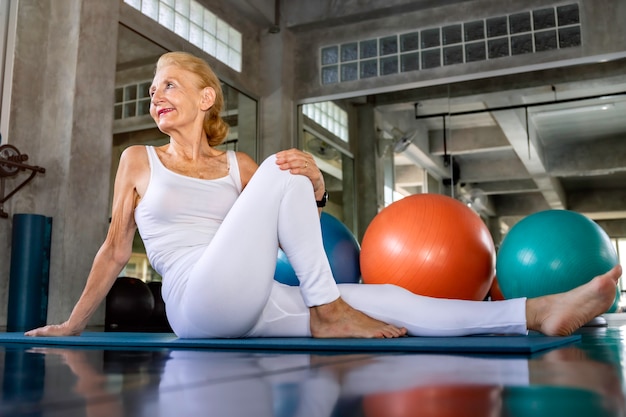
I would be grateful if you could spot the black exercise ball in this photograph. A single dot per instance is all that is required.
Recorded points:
(158, 320)
(129, 305)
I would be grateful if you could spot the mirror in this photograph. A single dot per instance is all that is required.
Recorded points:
(324, 134)
(133, 124)
(515, 144)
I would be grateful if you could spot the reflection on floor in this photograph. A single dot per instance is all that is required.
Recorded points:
(584, 379)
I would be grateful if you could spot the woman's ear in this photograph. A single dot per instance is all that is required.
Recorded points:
(208, 98)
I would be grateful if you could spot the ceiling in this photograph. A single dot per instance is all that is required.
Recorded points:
(546, 144)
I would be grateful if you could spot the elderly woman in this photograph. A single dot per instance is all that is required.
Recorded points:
(212, 222)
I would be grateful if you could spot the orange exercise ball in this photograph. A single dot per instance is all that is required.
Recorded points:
(436, 401)
(432, 245)
(495, 293)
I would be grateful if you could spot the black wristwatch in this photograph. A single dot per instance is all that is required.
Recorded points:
(323, 201)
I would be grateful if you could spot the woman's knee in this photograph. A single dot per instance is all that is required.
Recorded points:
(269, 168)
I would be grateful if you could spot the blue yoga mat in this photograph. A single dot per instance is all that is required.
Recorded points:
(467, 344)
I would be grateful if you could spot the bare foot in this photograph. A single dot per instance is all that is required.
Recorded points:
(562, 314)
(338, 319)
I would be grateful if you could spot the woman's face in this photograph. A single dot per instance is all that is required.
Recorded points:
(176, 102)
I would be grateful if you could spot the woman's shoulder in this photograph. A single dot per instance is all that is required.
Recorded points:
(247, 166)
(135, 151)
(134, 169)
(134, 157)
(244, 159)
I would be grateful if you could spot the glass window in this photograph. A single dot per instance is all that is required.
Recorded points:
(452, 34)
(569, 37)
(322, 112)
(210, 22)
(166, 17)
(522, 44)
(545, 41)
(210, 44)
(410, 62)
(430, 38)
(132, 100)
(498, 48)
(349, 72)
(369, 68)
(196, 35)
(182, 7)
(474, 31)
(234, 40)
(181, 25)
(409, 41)
(330, 55)
(389, 65)
(196, 24)
(520, 22)
(497, 26)
(196, 15)
(330, 75)
(221, 52)
(389, 45)
(150, 8)
(568, 15)
(475, 52)
(431, 58)
(368, 48)
(453, 55)
(349, 52)
(333, 160)
(544, 18)
(542, 29)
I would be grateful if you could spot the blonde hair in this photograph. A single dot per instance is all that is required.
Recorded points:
(215, 127)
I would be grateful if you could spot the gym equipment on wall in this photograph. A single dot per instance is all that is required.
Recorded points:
(12, 162)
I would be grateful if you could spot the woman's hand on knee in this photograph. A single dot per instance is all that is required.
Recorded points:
(302, 163)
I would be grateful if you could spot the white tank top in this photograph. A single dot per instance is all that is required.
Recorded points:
(179, 215)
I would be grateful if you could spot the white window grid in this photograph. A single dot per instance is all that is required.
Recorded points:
(132, 100)
(337, 66)
(196, 24)
(330, 116)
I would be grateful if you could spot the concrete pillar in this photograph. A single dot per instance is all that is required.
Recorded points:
(277, 111)
(62, 117)
(368, 168)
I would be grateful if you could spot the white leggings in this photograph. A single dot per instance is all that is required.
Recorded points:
(231, 291)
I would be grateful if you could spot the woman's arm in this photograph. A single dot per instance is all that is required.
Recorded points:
(302, 163)
(114, 252)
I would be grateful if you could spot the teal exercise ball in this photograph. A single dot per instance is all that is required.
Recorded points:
(549, 401)
(552, 251)
(341, 247)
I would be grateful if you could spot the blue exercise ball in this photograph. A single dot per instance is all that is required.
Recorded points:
(342, 250)
(284, 271)
(552, 251)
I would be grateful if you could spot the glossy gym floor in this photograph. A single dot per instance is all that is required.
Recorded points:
(582, 379)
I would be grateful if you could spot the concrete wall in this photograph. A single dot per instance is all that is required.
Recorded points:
(61, 117)
(603, 34)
